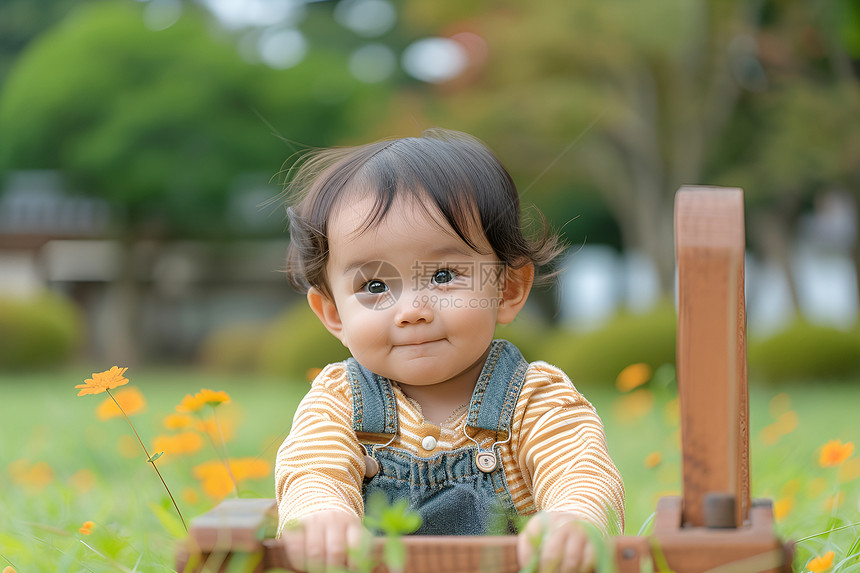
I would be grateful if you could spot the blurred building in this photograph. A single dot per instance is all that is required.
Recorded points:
(598, 279)
(52, 239)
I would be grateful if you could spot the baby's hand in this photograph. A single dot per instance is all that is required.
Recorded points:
(557, 543)
(321, 540)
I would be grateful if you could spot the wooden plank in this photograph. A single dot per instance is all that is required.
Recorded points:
(711, 349)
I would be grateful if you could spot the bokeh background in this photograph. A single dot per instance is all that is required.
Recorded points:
(144, 146)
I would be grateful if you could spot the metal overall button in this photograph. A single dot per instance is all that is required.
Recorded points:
(486, 461)
(486, 458)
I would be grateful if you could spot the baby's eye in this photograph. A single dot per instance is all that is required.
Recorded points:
(443, 276)
(375, 286)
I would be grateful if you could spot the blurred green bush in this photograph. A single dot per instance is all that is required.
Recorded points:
(232, 348)
(805, 351)
(39, 332)
(297, 342)
(598, 357)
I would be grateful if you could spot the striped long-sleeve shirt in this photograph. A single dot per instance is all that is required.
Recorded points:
(556, 459)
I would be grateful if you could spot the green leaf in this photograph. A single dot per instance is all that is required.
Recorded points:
(155, 457)
(168, 519)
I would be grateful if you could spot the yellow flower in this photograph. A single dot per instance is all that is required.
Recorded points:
(215, 430)
(653, 459)
(832, 502)
(785, 424)
(630, 407)
(850, 470)
(834, 452)
(216, 480)
(821, 563)
(184, 443)
(86, 528)
(201, 399)
(782, 507)
(83, 480)
(130, 399)
(102, 381)
(190, 496)
(178, 421)
(779, 404)
(39, 475)
(633, 376)
(672, 412)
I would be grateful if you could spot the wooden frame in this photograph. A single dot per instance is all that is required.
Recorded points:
(713, 527)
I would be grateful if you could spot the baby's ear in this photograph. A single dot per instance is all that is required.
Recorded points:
(325, 309)
(515, 292)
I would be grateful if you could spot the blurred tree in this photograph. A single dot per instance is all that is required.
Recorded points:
(161, 123)
(23, 20)
(807, 139)
(637, 99)
(632, 97)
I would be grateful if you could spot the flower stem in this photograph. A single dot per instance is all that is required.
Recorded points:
(149, 458)
(819, 534)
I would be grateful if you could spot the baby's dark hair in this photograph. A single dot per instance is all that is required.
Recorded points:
(455, 171)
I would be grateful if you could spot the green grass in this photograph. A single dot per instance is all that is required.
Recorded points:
(44, 421)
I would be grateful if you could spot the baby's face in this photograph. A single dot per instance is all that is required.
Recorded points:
(415, 303)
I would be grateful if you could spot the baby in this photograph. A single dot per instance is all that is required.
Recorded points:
(411, 251)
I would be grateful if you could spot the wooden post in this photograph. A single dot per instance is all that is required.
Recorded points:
(711, 353)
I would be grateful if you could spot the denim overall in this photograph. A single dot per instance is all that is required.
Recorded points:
(448, 490)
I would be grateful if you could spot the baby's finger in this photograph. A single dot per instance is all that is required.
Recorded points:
(576, 543)
(552, 551)
(335, 547)
(589, 559)
(354, 537)
(315, 546)
(294, 543)
(528, 541)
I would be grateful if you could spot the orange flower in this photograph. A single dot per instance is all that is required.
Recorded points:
(34, 477)
(850, 470)
(190, 496)
(834, 452)
(652, 460)
(630, 407)
(86, 528)
(102, 381)
(201, 399)
(821, 563)
(130, 399)
(9, 569)
(215, 430)
(785, 424)
(633, 376)
(782, 507)
(184, 443)
(83, 480)
(178, 421)
(216, 480)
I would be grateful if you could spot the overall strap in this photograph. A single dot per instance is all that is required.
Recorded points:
(374, 408)
(498, 388)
